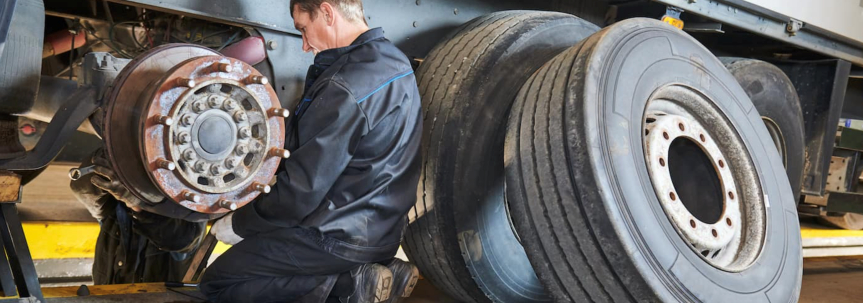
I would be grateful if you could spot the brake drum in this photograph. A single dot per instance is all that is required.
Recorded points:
(204, 130)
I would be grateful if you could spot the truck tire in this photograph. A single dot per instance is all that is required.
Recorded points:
(777, 102)
(602, 217)
(468, 83)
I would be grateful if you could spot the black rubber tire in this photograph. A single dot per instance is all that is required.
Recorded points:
(577, 182)
(20, 60)
(468, 83)
(777, 102)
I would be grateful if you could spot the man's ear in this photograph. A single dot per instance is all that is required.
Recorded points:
(328, 13)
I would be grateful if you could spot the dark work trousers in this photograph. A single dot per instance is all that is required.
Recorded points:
(277, 266)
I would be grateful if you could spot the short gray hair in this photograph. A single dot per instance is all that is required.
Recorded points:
(352, 10)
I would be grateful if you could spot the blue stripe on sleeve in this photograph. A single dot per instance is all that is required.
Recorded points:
(384, 85)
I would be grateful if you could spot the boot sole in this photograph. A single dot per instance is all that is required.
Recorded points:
(412, 282)
(384, 286)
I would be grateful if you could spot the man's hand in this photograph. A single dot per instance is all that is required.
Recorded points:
(224, 231)
(106, 180)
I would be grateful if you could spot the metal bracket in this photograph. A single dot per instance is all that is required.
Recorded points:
(793, 26)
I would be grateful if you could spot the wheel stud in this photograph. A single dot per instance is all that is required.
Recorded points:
(185, 82)
(213, 101)
(278, 112)
(200, 166)
(257, 80)
(164, 120)
(199, 106)
(280, 152)
(224, 67)
(261, 187)
(189, 196)
(165, 164)
(227, 205)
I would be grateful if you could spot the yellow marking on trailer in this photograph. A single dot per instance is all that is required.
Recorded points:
(673, 21)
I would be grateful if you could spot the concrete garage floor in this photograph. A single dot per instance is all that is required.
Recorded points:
(835, 280)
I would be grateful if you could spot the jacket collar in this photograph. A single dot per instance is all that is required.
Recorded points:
(328, 57)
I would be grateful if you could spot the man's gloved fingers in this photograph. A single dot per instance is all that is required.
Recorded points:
(104, 171)
(100, 158)
(103, 184)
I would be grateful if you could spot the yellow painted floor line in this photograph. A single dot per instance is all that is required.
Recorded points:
(808, 231)
(63, 240)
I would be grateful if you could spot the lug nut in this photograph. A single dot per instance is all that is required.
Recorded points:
(216, 169)
(189, 196)
(186, 120)
(241, 150)
(261, 187)
(229, 105)
(231, 163)
(185, 82)
(240, 116)
(224, 67)
(214, 101)
(227, 205)
(183, 138)
(200, 166)
(278, 112)
(165, 120)
(257, 80)
(199, 106)
(190, 155)
(165, 164)
(280, 152)
(245, 133)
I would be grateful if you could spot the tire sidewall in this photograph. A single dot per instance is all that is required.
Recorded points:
(612, 127)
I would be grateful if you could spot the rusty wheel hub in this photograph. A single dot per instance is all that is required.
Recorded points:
(206, 131)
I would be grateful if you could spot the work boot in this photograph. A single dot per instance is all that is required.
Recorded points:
(405, 276)
(372, 284)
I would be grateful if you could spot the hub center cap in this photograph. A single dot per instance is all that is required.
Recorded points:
(211, 131)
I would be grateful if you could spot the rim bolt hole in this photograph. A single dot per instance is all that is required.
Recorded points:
(692, 223)
(673, 196)
(665, 135)
(715, 234)
(680, 125)
(721, 164)
(703, 139)
(731, 195)
(728, 221)
(662, 162)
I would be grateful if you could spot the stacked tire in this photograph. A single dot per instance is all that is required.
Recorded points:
(538, 185)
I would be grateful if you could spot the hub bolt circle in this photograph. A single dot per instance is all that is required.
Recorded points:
(187, 120)
(183, 138)
(231, 163)
(199, 106)
(214, 101)
(241, 150)
(190, 155)
(200, 166)
(230, 105)
(240, 116)
(245, 133)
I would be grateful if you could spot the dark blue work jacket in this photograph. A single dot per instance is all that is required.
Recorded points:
(355, 154)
